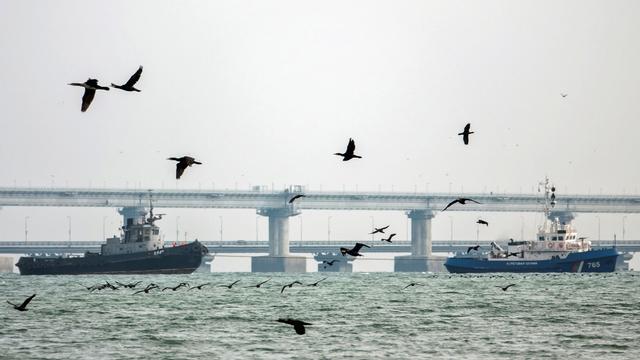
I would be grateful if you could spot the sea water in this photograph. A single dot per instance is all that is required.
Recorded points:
(353, 316)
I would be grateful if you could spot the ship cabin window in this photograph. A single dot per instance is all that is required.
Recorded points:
(541, 238)
(559, 237)
(554, 238)
(156, 232)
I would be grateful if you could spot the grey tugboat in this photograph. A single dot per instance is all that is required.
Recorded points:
(139, 250)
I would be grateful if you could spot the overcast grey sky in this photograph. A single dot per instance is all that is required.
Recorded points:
(263, 92)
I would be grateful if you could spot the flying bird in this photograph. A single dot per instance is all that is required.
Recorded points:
(379, 230)
(90, 86)
(132, 81)
(147, 289)
(199, 287)
(504, 288)
(259, 284)
(176, 287)
(298, 325)
(354, 251)
(183, 163)
(388, 239)
(330, 263)
(482, 222)
(317, 282)
(296, 197)
(563, 95)
(349, 154)
(465, 134)
(231, 285)
(128, 286)
(290, 286)
(23, 306)
(461, 201)
(412, 284)
(473, 248)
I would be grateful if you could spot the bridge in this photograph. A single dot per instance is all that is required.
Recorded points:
(257, 247)
(421, 208)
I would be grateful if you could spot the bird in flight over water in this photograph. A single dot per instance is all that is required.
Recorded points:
(23, 306)
(461, 201)
(183, 163)
(379, 230)
(355, 251)
(388, 239)
(259, 284)
(231, 285)
(482, 222)
(349, 154)
(465, 134)
(504, 288)
(290, 286)
(473, 248)
(199, 287)
(90, 86)
(132, 81)
(298, 325)
(317, 282)
(296, 197)
(412, 284)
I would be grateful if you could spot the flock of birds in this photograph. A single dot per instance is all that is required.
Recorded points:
(298, 325)
(91, 86)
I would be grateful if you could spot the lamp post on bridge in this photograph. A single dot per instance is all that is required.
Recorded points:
(104, 218)
(220, 227)
(177, 229)
(69, 218)
(373, 226)
(329, 229)
(26, 228)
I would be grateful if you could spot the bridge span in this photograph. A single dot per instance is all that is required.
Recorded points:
(421, 208)
(257, 247)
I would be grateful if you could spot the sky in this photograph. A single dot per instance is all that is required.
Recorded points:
(264, 92)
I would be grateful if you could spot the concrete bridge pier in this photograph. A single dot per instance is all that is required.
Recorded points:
(339, 263)
(421, 259)
(279, 259)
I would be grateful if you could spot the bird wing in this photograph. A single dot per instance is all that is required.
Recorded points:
(281, 291)
(451, 203)
(384, 228)
(469, 249)
(299, 328)
(467, 127)
(471, 200)
(351, 147)
(180, 166)
(87, 98)
(24, 304)
(359, 246)
(134, 78)
(510, 285)
(391, 236)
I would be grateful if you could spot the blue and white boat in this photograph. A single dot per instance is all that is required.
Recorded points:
(557, 248)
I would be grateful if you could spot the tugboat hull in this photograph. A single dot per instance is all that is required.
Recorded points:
(183, 259)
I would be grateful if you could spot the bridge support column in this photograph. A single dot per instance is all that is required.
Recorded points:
(421, 259)
(279, 259)
(339, 263)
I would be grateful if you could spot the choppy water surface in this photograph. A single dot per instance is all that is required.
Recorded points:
(360, 315)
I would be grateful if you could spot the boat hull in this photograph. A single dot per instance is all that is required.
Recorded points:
(183, 259)
(593, 261)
